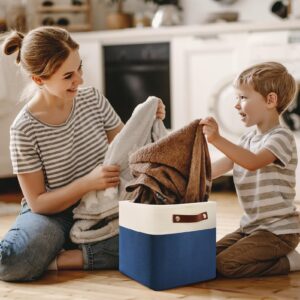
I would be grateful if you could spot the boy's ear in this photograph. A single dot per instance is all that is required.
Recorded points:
(38, 80)
(272, 100)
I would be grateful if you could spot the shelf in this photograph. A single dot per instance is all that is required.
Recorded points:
(70, 12)
(63, 8)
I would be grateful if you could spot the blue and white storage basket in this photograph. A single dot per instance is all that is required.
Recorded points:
(164, 246)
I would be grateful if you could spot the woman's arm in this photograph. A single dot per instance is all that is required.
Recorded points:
(112, 133)
(43, 202)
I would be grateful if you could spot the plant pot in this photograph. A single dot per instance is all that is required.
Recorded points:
(118, 20)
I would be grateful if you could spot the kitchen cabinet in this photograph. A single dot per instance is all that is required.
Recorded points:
(92, 63)
(12, 84)
(202, 73)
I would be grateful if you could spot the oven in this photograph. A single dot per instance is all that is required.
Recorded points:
(134, 72)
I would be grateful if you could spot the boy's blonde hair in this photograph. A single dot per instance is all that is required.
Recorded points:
(270, 77)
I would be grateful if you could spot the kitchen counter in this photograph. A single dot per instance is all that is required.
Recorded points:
(109, 37)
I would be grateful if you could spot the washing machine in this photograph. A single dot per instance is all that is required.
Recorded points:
(283, 47)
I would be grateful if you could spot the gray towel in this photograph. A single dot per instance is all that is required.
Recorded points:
(141, 129)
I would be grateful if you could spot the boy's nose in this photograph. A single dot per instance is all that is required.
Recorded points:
(237, 105)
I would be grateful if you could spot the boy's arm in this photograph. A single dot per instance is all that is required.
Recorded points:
(221, 167)
(243, 157)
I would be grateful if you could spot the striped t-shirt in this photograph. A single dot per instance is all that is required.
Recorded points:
(267, 194)
(67, 151)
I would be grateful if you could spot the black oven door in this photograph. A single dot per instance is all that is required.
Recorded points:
(133, 74)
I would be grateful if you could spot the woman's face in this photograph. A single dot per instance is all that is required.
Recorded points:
(64, 82)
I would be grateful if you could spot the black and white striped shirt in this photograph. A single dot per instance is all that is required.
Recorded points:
(267, 194)
(67, 151)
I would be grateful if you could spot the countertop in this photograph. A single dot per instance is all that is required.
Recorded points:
(167, 33)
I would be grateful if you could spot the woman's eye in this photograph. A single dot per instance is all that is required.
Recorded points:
(68, 77)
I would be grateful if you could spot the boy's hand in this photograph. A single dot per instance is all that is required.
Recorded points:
(161, 110)
(210, 129)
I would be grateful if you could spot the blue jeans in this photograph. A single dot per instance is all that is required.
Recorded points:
(35, 240)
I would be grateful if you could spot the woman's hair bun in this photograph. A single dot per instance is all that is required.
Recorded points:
(13, 43)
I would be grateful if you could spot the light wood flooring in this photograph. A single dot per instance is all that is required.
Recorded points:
(106, 285)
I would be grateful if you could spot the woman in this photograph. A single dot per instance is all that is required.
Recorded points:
(58, 142)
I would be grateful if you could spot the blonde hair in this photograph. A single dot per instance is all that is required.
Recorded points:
(270, 77)
(42, 51)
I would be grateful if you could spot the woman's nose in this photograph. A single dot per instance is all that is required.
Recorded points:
(78, 78)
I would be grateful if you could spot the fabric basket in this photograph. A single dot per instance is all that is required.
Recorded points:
(165, 246)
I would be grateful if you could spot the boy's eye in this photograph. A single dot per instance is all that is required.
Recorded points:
(240, 98)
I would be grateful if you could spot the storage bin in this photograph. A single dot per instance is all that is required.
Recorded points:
(165, 246)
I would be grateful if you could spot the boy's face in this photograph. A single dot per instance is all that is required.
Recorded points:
(251, 105)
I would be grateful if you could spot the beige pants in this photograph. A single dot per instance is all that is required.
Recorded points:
(260, 253)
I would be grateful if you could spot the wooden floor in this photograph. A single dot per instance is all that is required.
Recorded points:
(106, 285)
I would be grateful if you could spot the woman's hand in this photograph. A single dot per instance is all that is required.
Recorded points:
(161, 110)
(103, 177)
(210, 129)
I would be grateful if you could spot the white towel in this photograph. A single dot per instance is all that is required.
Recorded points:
(142, 128)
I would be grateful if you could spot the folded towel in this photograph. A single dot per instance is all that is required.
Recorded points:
(175, 169)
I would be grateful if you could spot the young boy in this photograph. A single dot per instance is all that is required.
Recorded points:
(264, 164)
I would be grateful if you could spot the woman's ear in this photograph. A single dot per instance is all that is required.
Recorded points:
(272, 100)
(38, 80)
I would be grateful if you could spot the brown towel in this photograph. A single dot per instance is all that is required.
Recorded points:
(175, 169)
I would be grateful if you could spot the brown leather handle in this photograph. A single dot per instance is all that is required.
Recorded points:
(190, 218)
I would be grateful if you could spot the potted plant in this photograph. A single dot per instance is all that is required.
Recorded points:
(118, 19)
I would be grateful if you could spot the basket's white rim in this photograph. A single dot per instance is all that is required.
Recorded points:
(158, 219)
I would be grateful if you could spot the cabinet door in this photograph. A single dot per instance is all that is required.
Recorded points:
(91, 55)
(202, 74)
(12, 83)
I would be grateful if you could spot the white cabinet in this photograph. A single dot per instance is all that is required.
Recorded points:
(92, 62)
(201, 76)
(12, 83)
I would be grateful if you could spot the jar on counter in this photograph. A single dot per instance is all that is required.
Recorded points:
(16, 15)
